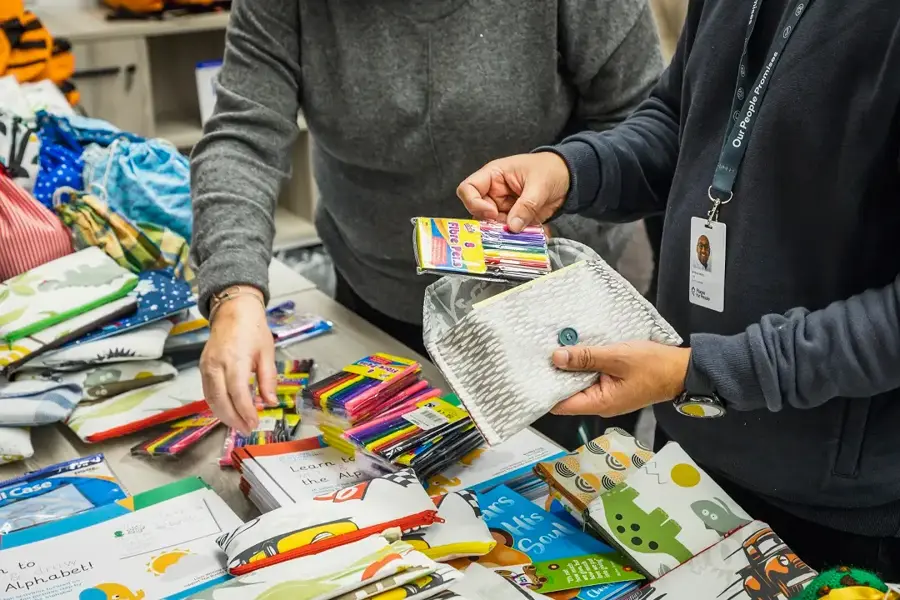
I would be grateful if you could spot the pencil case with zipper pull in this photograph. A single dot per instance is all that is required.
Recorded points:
(493, 342)
(395, 500)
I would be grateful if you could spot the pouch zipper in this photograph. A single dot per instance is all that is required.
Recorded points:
(421, 519)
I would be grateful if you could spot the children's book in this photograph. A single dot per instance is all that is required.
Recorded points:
(545, 554)
(665, 512)
(165, 550)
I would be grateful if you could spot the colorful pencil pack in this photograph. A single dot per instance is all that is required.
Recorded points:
(181, 436)
(482, 249)
(362, 390)
(275, 425)
(289, 327)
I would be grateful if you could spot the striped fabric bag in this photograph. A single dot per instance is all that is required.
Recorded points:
(30, 235)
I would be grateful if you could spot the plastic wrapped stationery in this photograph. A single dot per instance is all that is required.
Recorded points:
(181, 436)
(493, 342)
(481, 249)
(57, 492)
(289, 327)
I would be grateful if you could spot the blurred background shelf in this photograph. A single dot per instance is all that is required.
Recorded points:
(140, 76)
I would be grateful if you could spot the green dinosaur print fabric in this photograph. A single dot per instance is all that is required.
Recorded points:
(666, 512)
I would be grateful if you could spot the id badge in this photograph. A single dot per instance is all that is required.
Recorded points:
(707, 259)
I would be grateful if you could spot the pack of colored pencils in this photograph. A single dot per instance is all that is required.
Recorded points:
(482, 249)
(275, 425)
(292, 377)
(362, 390)
(180, 436)
(425, 434)
(289, 326)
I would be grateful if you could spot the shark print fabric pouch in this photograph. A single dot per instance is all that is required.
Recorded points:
(140, 409)
(60, 290)
(665, 512)
(106, 381)
(396, 500)
(27, 403)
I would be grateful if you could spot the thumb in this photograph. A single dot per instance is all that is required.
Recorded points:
(527, 209)
(595, 359)
(265, 374)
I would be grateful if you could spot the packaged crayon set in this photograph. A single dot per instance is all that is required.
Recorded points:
(289, 327)
(292, 377)
(481, 249)
(181, 436)
(275, 425)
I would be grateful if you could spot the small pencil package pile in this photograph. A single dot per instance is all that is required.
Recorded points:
(180, 436)
(292, 377)
(480, 249)
(275, 425)
(426, 435)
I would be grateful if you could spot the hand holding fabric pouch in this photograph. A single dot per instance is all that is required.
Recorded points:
(493, 343)
(27, 403)
(60, 290)
(579, 478)
(459, 532)
(396, 500)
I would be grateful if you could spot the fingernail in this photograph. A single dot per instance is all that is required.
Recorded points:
(561, 358)
(516, 224)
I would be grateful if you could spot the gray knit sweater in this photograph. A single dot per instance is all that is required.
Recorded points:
(404, 99)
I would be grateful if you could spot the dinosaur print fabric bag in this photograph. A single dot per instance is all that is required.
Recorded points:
(396, 500)
(140, 409)
(666, 512)
(60, 290)
(106, 381)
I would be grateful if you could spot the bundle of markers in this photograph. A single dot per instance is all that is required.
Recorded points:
(426, 435)
(275, 425)
(481, 249)
(292, 377)
(180, 436)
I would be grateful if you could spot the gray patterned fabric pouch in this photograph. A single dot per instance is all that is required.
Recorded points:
(496, 356)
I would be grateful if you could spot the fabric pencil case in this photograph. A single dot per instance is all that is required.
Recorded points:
(14, 356)
(27, 403)
(579, 478)
(396, 500)
(140, 409)
(493, 342)
(15, 444)
(60, 290)
(459, 531)
(106, 381)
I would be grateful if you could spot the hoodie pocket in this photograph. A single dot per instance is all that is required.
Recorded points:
(853, 434)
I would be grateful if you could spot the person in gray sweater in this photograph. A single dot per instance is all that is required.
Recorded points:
(403, 99)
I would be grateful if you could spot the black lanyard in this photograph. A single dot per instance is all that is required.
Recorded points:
(746, 103)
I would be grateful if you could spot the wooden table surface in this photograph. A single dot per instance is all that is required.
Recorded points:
(351, 339)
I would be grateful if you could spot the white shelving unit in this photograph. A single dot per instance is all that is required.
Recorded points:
(139, 75)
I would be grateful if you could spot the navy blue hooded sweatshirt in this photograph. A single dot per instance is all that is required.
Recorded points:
(807, 351)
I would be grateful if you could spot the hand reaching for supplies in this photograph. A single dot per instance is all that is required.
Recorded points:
(521, 190)
(239, 345)
(633, 375)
